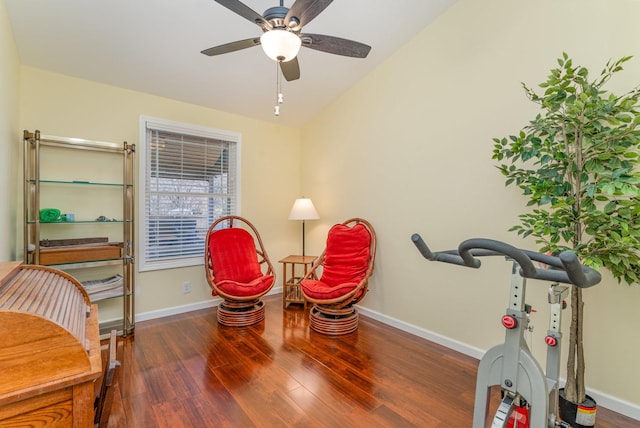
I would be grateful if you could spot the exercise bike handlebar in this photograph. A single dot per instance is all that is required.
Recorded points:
(568, 268)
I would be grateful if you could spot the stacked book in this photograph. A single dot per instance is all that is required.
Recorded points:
(100, 289)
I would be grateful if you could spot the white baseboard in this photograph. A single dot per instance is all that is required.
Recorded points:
(614, 403)
(605, 400)
(463, 348)
(175, 310)
(610, 402)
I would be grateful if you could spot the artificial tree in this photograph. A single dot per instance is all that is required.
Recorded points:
(578, 163)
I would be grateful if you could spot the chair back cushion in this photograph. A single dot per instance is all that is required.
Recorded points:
(347, 255)
(233, 256)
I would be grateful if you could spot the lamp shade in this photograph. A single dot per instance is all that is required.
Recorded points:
(280, 45)
(303, 209)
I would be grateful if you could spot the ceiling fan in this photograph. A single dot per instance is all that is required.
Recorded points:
(282, 37)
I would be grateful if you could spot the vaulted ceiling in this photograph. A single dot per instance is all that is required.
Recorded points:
(153, 46)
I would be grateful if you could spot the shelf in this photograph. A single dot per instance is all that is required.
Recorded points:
(76, 143)
(83, 176)
(90, 263)
(291, 292)
(294, 294)
(76, 183)
(81, 222)
(105, 288)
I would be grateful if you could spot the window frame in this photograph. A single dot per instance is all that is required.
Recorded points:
(154, 123)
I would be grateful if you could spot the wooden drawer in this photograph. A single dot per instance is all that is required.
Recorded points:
(49, 256)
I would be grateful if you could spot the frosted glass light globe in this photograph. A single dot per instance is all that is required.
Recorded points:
(280, 45)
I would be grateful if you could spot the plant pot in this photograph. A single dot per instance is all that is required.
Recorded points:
(578, 415)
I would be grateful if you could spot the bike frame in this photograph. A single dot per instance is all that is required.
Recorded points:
(512, 366)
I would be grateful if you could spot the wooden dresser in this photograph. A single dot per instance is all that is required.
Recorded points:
(49, 348)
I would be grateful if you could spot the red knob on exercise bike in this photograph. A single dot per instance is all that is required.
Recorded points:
(509, 321)
(551, 341)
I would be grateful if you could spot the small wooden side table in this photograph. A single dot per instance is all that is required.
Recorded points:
(291, 292)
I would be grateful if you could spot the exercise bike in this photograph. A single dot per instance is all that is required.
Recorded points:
(529, 395)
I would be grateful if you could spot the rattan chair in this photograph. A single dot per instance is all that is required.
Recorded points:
(238, 270)
(343, 269)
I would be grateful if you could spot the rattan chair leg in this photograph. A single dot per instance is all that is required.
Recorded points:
(333, 322)
(240, 314)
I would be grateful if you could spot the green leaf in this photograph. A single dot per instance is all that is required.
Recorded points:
(577, 164)
(610, 207)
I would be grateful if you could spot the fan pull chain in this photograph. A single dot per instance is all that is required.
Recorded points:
(279, 96)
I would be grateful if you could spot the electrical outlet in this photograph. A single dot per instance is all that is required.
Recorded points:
(186, 287)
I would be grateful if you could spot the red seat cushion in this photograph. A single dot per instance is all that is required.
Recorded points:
(242, 289)
(234, 262)
(323, 291)
(346, 262)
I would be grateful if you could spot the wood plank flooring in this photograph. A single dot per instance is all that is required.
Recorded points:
(189, 371)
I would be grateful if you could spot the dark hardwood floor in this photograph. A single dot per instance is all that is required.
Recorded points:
(188, 371)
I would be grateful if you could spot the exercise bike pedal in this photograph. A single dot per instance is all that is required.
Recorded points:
(510, 414)
(503, 413)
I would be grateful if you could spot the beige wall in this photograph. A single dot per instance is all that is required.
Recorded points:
(66, 106)
(9, 137)
(409, 147)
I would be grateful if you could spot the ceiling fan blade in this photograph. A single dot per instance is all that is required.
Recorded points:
(290, 69)
(246, 12)
(305, 10)
(232, 47)
(335, 45)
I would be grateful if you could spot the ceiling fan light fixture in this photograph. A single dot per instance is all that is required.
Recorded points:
(280, 45)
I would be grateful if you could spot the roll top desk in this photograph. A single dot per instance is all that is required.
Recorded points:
(49, 348)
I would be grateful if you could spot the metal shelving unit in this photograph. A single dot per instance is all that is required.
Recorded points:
(73, 174)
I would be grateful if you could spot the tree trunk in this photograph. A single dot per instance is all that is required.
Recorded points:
(570, 387)
(574, 389)
(580, 384)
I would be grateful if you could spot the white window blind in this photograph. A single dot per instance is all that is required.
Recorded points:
(190, 180)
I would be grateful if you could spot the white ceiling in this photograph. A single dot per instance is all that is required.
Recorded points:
(154, 46)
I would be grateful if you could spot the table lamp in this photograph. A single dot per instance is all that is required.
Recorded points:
(303, 209)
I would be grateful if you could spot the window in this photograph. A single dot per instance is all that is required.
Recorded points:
(191, 178)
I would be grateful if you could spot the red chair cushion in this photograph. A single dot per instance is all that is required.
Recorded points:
(346, 262)
(242, 289)
(234, 262)
(323, 291)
